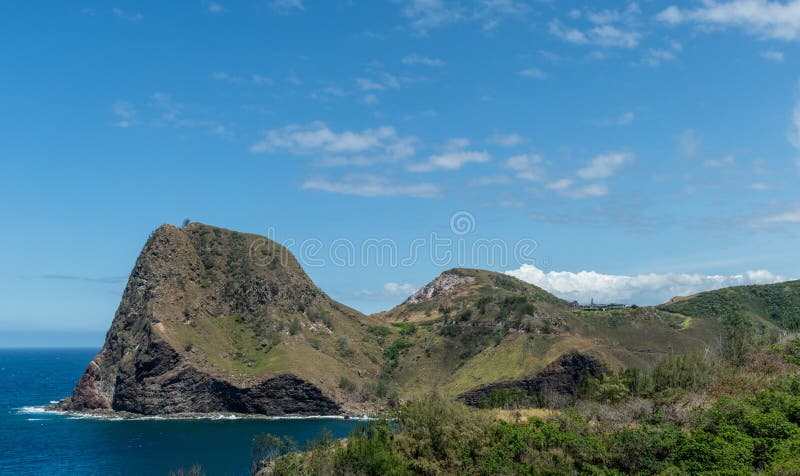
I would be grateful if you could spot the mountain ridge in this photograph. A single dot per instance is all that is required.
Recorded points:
(214, 320)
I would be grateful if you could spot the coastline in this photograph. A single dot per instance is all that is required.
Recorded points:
(111, 415)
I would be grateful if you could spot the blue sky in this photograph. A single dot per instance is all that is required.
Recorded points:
(643, 149)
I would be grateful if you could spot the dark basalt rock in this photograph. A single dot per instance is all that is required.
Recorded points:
(562, 376)
(159, 382)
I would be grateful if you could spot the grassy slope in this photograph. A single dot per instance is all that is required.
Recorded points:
(773, 305)
(449, 353)
(207, 316)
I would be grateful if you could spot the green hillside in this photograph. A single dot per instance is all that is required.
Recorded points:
(482, 327)
(771, 304)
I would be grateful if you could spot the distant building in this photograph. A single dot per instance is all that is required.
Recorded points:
(592, 306)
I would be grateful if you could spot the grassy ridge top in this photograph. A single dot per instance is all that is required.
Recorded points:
(776, 305)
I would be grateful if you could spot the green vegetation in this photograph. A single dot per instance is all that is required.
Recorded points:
(343, 346)
(347, 385)
(746, 433)
(509, 398)
(776, 304)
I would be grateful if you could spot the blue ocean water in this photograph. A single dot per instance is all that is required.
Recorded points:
(35, 443)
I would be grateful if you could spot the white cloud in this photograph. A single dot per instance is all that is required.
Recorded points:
(425, 15)
(223, 76)
(388, 291)
(255, 79)
(423, 60)
(560, 184)
(123, 15)
(453, 156)
(604, 36)
(628, 15)
(794, 130)
(287, 6)
(399, 289)
(567, 188)
(767, 19)
(451, 160)
(760, 186)
(505, 140)
(689, 142)
(533, 73)
(163, 111)
(605, 165)
(327, 93)
(490, 180)
(376, 79)
(293, 78)
(331, 148)
(792, 216)
(511, 203)
(656, 56)
(587, 191)
(623, 119)
(371, 186)
(772, 55)
(260, 80)
(172, 115)
(125, 113)
(641, 289)
(527, 166)
(214, 7)
(726, 161)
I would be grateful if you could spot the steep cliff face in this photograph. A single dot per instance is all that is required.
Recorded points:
(213, 320)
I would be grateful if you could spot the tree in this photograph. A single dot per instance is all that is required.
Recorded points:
(739, 337)
(267, 448)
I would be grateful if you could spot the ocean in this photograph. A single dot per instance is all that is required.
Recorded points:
(33, 442)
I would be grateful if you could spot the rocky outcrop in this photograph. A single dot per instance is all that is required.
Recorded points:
(563, 376)
(181, 277)
(446, 283)
(159, 383)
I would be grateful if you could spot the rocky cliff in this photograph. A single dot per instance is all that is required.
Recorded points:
(217, 321)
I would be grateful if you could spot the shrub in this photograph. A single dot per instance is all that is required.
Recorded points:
(437, 436)
(343, 346)
(294, 327)
(369, 450)
(347, 385)
(267, 448)
(689, 371)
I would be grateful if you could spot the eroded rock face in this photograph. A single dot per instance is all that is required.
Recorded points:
(139, 371)
(444, 284)
(158, 382)
(563, 376)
